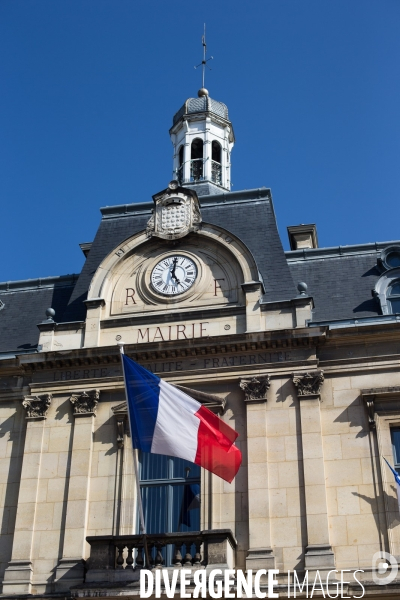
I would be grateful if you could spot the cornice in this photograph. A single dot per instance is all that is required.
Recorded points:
(238, 343)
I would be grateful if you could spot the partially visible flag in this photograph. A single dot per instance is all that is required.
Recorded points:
(165, 420)
(190, 501)
(397, 480)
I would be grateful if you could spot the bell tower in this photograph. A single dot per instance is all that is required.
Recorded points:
(203, 138)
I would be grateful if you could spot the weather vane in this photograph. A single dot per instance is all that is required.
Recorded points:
(204, 62)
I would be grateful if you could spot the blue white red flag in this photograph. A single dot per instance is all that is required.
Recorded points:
(397, 480)
(165, 420)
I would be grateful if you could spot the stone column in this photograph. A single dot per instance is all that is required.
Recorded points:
(260, 554)
(253, 291)
(318, 554)
(18, 574)
(70, 569)
(92, 326)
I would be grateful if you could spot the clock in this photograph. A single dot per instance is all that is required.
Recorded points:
(173, 275)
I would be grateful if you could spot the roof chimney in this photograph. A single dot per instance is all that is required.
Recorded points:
(302, 236)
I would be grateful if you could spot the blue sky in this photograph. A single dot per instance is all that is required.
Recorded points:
(89, 88)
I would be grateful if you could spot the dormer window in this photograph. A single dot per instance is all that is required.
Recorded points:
(393, 258)
(387, 288)
(216, 167)
(196, 162)
(393, 297)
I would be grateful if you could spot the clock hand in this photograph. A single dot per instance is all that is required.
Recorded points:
(173, 271)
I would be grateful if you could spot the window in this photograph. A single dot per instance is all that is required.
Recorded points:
(216, 169)
(216, 151)
(180, 168)
(393, 259)
(393, 296)
(170, 490)
(389, 258)
(196, 163)
(395, 434)
(181, 156)
(387, 291)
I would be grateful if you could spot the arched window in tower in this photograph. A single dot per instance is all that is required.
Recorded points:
(216, 167)
(197, 160)
(180, 168)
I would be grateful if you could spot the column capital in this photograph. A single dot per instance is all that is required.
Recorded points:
(85, 403)
(255, 388)
(37, 406)
(308, 385)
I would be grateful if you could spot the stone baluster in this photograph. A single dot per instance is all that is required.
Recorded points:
(139, 557)
(159, 557)
(197, 556)
(129, 558)
(187, 561)
(120, 557)
(177, 560)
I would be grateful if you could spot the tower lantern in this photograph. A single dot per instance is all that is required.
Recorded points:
(203, 138)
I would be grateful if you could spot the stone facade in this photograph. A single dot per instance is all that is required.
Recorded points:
(313, 403)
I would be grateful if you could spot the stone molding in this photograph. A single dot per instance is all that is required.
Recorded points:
(319, 557)
(85, 403)
(255, 388)
(37, 406)
(308, 385)
(385, 400)
(260, 558)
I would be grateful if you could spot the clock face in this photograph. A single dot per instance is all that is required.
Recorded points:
(173, 275)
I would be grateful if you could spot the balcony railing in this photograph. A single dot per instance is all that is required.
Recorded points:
(179, 174)
(197, 169)
(216, 172)
(116, 559)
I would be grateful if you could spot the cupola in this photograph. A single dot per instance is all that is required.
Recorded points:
(203, 138)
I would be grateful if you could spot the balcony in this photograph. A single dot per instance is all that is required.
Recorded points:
(115, 561)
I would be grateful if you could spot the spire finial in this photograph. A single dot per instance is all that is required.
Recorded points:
(203, 64)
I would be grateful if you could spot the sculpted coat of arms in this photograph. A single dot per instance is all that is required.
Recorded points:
(176, 213)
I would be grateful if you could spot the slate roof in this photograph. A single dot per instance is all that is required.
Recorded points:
(200, 105)
(25, 304)
(248, 214)
(340, 279)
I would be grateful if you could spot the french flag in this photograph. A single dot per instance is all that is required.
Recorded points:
(165, 420)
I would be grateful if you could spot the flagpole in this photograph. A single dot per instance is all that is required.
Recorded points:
(135, 467)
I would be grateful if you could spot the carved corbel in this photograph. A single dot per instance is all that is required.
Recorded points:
(37, 406)
(370, 405)
(85, 403)
(121, 416)
(308, 385)
(255, 388)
